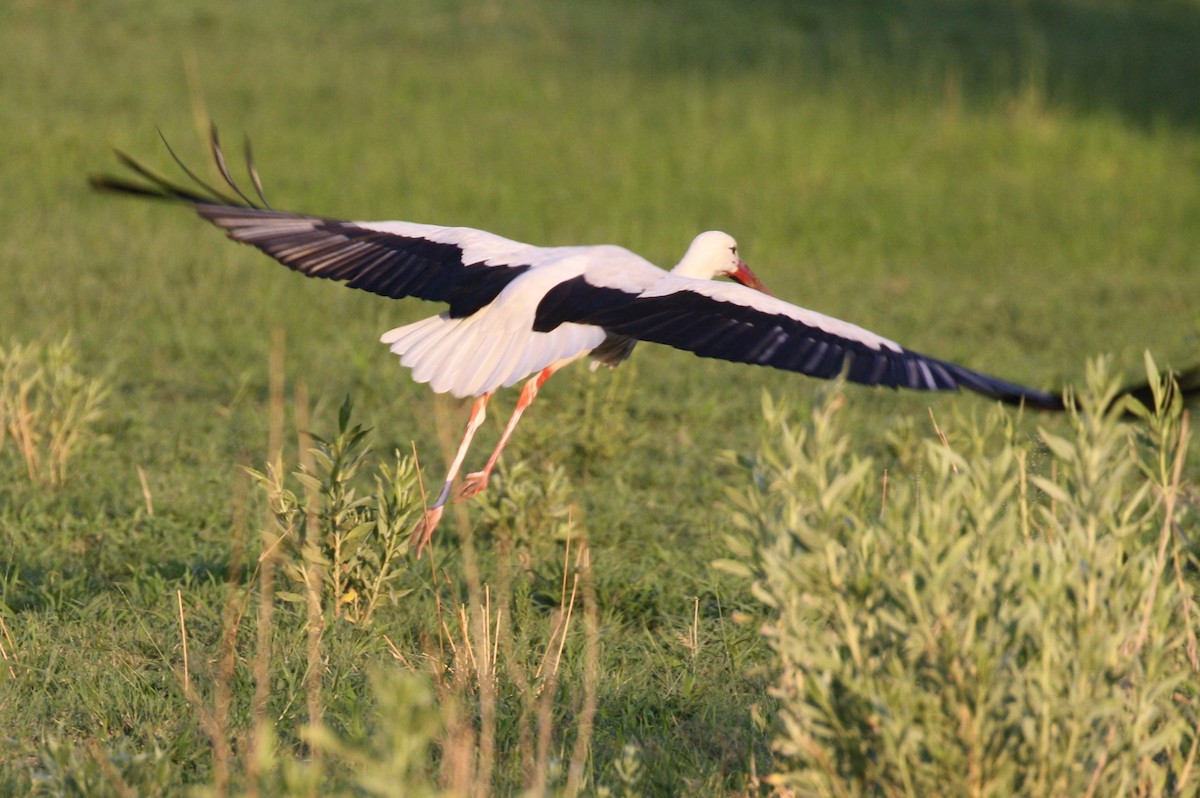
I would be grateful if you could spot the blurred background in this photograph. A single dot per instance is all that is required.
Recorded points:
(1009, 184)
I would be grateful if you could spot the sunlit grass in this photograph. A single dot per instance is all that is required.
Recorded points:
(1004, 184)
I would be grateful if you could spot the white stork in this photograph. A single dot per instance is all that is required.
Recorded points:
(518, 311)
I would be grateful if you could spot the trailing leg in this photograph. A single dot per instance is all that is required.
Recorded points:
(476, 482)
(424, 531)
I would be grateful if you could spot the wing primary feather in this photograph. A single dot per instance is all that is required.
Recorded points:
(252, 168)
(219, 157)
(160, 188)
(121, 186)
(927, 375)
(878, 367)
(767, 344)
(911, 374)
(225, 198)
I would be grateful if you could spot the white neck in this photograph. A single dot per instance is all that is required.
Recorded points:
(708, 255)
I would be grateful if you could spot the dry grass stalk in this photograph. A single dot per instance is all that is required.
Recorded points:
(276, 407)
(187, 678)
(217, 734)
(591, 672)
(468, 761)
(1170, 495)
(119, 785)
(515, 669)
(19, 422)
(456, 773)
(398, 655)
(460, 743)
(942, 437)
(1187, 605)
(5, 646)
(47, 408)
(214, 720)
(1186, 773)
(545, 727)
(477, 650)
(538, 777)
(272, 534)
(231, 616)
(315, 622)
(261, 673)
(1023, 500)
(691, 640)
(1101, 761)
(561, 626)
(486, 760)
(146, 497)
(548, 688)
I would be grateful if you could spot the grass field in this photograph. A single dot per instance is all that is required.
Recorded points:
(1010, 185)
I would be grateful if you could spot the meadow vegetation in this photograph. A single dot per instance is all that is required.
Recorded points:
(1010, 616)
(688, 577)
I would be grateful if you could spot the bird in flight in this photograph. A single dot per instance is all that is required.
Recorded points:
(517, 312)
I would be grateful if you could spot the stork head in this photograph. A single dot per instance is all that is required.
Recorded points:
(715, 254)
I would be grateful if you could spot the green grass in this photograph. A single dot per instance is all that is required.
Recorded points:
(1009, 185)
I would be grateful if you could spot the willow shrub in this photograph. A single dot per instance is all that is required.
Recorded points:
(1007, 617)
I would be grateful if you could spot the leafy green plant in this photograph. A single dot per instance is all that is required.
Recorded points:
(1007, 617)
(393, 759)
(120, 770)
(444, 723)
(526, 506)
(48, 409)
(629, 771)
(358, 541)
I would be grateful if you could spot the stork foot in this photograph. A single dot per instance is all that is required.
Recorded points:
(424, 531)
(473, 485)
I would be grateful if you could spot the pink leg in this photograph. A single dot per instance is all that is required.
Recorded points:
(424, 531)
(475, 483)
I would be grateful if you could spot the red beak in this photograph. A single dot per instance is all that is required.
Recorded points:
(748, 278)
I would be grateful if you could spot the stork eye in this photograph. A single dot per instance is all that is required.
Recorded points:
(733, 249)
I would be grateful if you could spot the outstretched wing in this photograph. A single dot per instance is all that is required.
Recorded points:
(461, 266)
(731, 322)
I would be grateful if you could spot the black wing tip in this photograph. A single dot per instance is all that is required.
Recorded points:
(117, 185)
(199, 192)
(155, 187)
(1186, 387)
(1001, 390)
(1188, 382)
